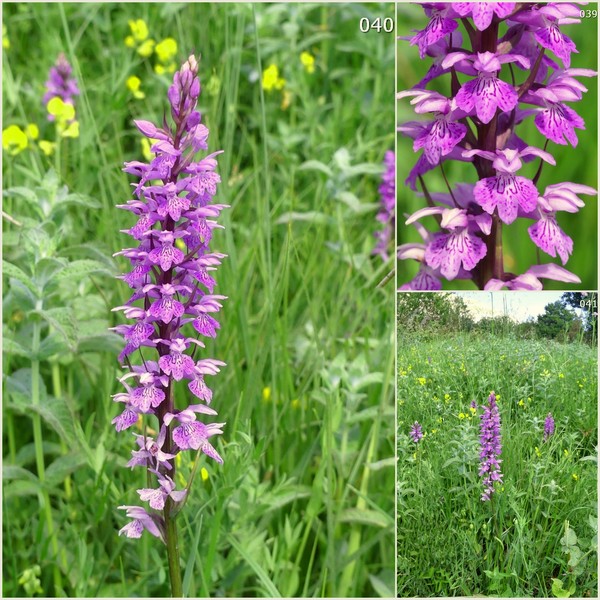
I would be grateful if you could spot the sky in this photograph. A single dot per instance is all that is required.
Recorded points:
(519, 306)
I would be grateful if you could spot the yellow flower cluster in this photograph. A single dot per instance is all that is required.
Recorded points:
(15, 139)
(308, 62)
(139, 38)
(145, 46)
(468, 415)
(166, 52)
(271, 80)
(5, 40)
(134, 84)
(64, 116)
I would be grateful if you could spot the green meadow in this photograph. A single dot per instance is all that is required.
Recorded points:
(303, 504)
(537, 536)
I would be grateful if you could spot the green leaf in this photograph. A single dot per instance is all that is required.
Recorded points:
(315, 165)
(366, 517)
(18, 389)
(46, 269)
(569, 539)
(315, 503)
(62, 467)
(311, 216)
(12, 347)
(51, 345)
(13, 472)
(63, 322)
(354, 204)
(81, 268)
(106, 342)
(383, 589)
(364, 169)
(25, 195)
(56, 414)
(559, 591)
(50, 181)
(13, 271)
(78, 199)
(21, 488)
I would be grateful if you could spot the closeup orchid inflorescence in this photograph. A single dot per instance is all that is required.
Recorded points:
(172, 306)
(478, 123)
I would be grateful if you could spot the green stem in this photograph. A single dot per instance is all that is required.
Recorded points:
(354, 542)
(12, 445)
(38, 441)
(57, 391)
(173, 550)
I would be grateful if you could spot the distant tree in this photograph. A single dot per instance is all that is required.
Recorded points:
(432, 311)
(556, 321)
(587, 303)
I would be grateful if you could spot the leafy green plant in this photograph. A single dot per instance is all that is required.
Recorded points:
(51, 319)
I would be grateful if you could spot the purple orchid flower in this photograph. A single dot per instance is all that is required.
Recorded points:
(515, 67)
(60, 83)
(387, 213)
(172, 305)
(548, 426)
(416, 432)
(491, 447)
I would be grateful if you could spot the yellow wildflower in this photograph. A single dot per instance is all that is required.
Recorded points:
(575, 476)
(266, 394)
(521, 403)
(5, 40)
(139, 32)
(271, 79)
(537, 452)
(447, 397)
(566, 452)
(14, 139)
(68, 130)
(133, 84)
(64, 115)
(146, 148)
(473, 410)
(32, 131)
(166, 50)
(308, 62)
(47, 147)
(146, 48)
(462, 415)
(204, 474)
(422, 380)
(561, 375)
(440, 420)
